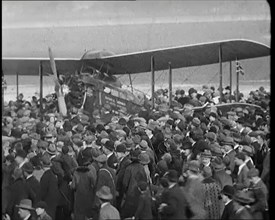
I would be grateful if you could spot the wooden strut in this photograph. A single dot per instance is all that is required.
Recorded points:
(41, 87)
(17, 85)
(220, 61)
(170, 84)
(153, 81)
(131, 83)
(237, 84)
(230, 78)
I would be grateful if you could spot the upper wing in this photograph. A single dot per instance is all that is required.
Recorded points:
(30, 66)
(182, 56)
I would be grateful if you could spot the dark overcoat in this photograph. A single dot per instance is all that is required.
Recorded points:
(49, 191)
(34, 185)
(16, 192)
(134, 173)
(83, 184)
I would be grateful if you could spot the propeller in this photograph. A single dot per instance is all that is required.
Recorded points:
(58, 87)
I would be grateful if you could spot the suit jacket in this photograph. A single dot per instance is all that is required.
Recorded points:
(120, 173)
(112, 161)
(44, 216)
(176, 203)
(229, 211)
(242, 180)
(16, 192)
(266, 169)
(34, 185)
(242, 213)
(49, 191)
(108, 212)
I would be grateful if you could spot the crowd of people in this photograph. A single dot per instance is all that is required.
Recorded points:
(166, 163)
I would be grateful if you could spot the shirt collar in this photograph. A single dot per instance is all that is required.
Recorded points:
(228, 202)
(27, 217)
(21, 164)
(104, 204)
(29, 176)
(172, 185)
(109, 154)
(241, 167)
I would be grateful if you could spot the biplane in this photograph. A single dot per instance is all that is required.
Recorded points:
(99, 68)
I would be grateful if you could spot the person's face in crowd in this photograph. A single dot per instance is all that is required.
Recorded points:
(20, 97)
(205, 160)
(253, 180)
(186, 152)
(120, 155)
(23, 213)
(194, 95)
(149, 133)
(19, 160)
(105, 150)
(211, 118)
(238, 161)
(52, 119)
(227, 148)
(39, 211)
(178, 95)
(34, 142)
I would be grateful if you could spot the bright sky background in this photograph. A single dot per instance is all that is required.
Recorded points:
(76, 13)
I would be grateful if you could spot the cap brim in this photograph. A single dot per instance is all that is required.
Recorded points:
(24, 207)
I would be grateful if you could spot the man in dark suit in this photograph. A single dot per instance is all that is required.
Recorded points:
(17, 191)
(25, 211)
(174, 203)
(227, 194)
(123, 162)
(134, 173)
(31, 181)
(49, 188)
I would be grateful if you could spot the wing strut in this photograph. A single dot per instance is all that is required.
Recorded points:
(220, 61)
(153, 81)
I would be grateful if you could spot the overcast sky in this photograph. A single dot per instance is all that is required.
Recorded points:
(66, 13)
